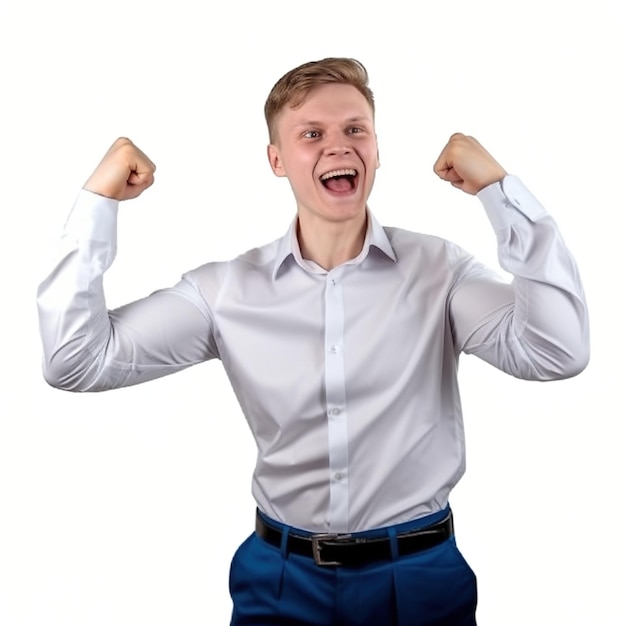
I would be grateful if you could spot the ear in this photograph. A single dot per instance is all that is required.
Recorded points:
(377, 153)
(273, 156)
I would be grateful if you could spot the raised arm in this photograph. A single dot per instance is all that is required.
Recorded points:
(86, 347)
(537, 326)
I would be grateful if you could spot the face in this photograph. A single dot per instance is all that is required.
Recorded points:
(327, 149)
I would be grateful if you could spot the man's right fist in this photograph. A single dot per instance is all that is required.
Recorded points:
(124, 172)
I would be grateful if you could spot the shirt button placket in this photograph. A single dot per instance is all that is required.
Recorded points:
(335, 387)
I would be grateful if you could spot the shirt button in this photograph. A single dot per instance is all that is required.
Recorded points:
(334, 349)
(339, 476)
(334, 412)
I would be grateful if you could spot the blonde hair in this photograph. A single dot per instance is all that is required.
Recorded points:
(293, 88)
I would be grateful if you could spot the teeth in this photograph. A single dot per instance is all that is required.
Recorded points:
(337, 173)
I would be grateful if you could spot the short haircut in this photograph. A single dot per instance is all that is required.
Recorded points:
(292, 89)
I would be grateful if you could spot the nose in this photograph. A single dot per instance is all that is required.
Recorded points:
(337, 143)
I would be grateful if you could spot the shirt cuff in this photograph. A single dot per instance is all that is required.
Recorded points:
(508, 202)
(92, 217)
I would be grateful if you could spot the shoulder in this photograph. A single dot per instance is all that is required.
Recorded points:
(210, 276)
(258, 257)
(423, 247)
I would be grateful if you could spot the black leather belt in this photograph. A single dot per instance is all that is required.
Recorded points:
(334, 549)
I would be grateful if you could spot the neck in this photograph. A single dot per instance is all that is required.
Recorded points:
(330, 244)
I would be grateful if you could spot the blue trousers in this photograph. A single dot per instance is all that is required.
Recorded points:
(435, 587)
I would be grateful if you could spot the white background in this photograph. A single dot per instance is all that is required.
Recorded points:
(125, 507)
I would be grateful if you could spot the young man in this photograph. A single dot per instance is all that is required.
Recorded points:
(341, 340)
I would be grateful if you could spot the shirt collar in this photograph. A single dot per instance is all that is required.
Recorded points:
(375, 236)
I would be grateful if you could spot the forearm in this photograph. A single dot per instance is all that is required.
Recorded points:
(73, 318)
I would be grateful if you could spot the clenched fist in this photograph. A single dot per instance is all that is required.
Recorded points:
(466, 165)
(124, 172)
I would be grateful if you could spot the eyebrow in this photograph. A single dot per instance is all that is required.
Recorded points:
(350, 120)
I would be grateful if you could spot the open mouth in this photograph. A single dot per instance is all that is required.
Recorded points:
(340, 181)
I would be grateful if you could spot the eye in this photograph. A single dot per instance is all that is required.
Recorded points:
(354, 130)
(311, 134)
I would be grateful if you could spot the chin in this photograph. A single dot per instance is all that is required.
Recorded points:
(345, 214)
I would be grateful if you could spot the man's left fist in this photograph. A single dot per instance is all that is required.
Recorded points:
(466, 165)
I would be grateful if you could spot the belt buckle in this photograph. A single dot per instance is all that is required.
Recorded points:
(317, 548)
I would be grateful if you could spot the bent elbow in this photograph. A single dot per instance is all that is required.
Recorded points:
(556, 355)
(60, 373)
(58, 378)
(575, 365)
(564, 364)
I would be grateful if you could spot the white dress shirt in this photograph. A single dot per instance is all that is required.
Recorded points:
(347, 377)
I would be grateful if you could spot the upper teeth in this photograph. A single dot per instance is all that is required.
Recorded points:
(338, 173)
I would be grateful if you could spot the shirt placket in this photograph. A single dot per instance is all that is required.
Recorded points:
(336, 412)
